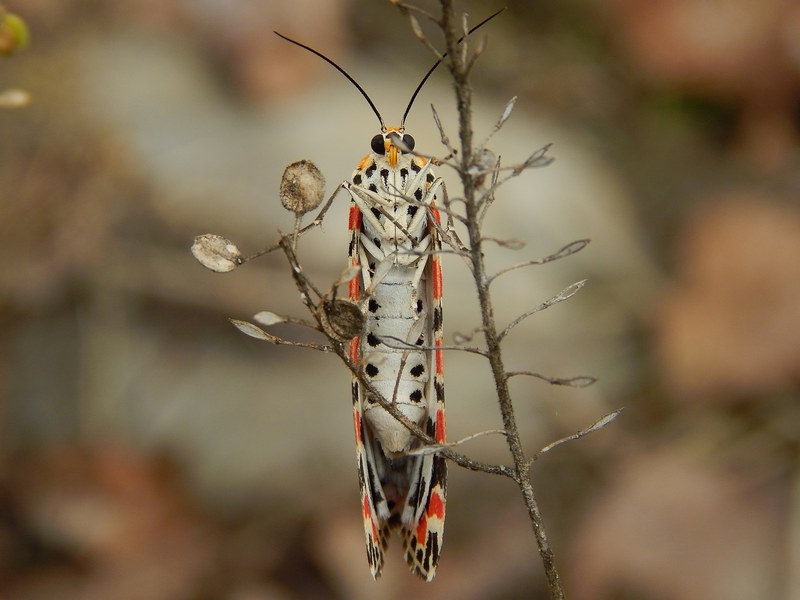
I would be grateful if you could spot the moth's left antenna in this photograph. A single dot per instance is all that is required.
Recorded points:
(342, 71)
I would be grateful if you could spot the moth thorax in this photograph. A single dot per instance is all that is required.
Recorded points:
(394, 438)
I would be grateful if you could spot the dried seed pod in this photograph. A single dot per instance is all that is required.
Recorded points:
(266, 317)
(302, 187)
(344, 318)
(216, 253)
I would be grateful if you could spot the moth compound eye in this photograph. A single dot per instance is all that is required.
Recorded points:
(377, 145)
(408, 141)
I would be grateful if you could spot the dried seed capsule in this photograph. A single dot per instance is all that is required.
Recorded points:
(345, 318)
(216, 253)
(302, 187)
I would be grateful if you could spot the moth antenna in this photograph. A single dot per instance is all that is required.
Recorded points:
(436, 64)
(342, 71)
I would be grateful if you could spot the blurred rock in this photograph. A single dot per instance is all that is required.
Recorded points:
(114, 523)
(671, 529)
(730, 324)
(738, 53)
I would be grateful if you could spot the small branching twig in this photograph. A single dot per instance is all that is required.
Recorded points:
(577, 382)
(564, 294)
(599, 424)
(567, 250)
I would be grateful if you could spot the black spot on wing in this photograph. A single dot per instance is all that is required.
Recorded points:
(377, 242)
(373, 188)
(437, 318)
(372, 340)
(371, 370)
(439, 387)
(429, 177)
(417, 370)
(370, 170)
(418, 194)
(431, 550)
(439, 473)
(430, 427)
(415, 167)
(357, 179)
(412, 210)
(377, 213)
(415, 396)
(420, 306)
(373, 305)
(413, 502)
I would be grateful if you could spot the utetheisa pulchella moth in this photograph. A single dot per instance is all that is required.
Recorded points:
(395, 240)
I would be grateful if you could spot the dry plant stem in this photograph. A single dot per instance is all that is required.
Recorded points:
(459, 66)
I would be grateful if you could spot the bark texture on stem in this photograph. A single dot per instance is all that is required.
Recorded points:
(459, 64)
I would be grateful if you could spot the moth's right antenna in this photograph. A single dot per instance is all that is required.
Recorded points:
(437, 63)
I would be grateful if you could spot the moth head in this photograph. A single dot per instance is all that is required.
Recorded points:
(391, 143)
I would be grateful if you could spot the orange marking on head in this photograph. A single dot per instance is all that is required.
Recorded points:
(392, 153)
(440, 432)
(436, 505)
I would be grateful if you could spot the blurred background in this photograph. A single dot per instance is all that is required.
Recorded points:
(148, 450)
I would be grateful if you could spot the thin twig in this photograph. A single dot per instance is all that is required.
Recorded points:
(599, 424)
(404, 345)
(564, 294)
(568, 250)
(315, 223)
(438, 448)
(579, 381)
(256, 332)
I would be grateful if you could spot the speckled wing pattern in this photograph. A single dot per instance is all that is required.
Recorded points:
(394, 242)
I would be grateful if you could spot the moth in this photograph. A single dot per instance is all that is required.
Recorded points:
(395, 243)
